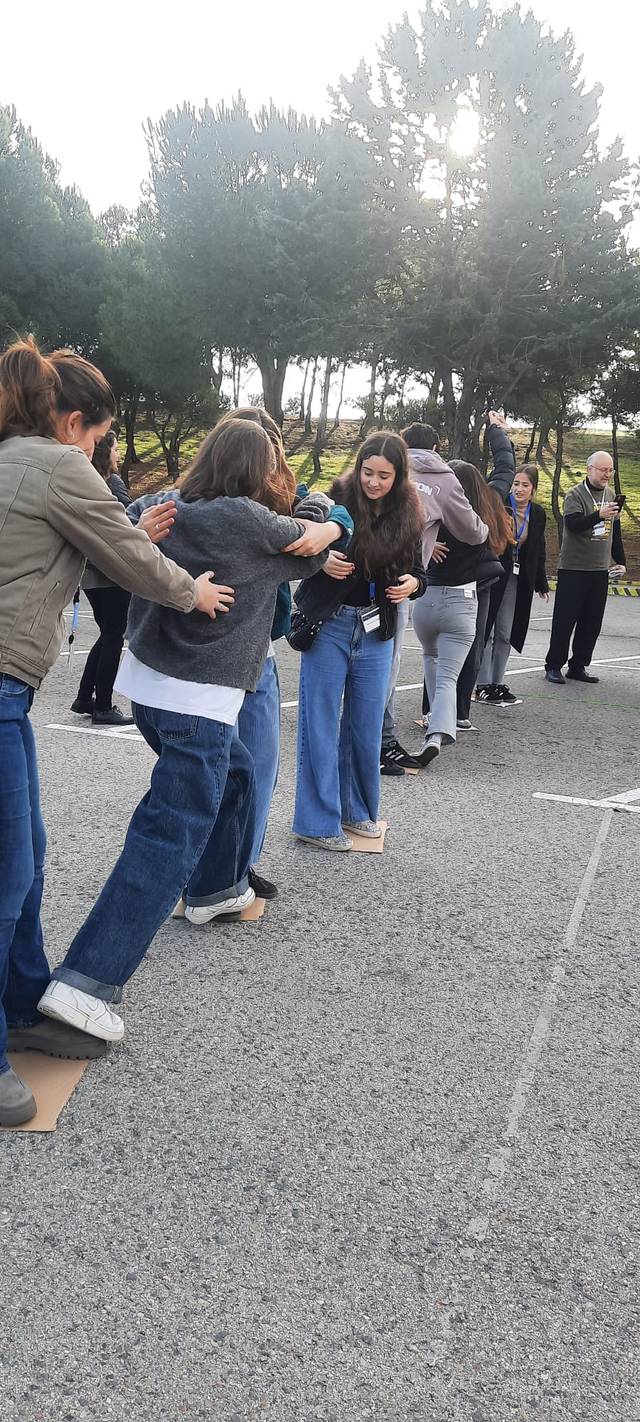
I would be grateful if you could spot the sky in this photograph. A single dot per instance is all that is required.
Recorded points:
(85, 77)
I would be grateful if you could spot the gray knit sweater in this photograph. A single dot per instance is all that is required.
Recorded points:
(241, 542)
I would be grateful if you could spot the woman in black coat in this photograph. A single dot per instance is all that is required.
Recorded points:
(527, 575)
(533, 570)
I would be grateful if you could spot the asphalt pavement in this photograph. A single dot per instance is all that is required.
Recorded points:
(375, 1156)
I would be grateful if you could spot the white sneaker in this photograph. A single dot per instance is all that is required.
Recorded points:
(179, 910)
(80, 1009)
(206, 912)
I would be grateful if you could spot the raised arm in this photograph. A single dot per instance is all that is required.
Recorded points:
(502, 455)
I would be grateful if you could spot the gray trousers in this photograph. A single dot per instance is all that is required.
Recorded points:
(389, 723)
(498, 649)
(444, 620)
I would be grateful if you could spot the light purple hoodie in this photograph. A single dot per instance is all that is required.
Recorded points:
(443, 501)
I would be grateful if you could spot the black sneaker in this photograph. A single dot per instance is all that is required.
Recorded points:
(505, 696)
(262, 888)
(83, 708)
(394, 760)
(111, 717)
(488, 694)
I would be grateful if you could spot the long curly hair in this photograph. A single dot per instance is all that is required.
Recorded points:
(387, 530)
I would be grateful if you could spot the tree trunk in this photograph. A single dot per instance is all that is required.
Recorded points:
(464, 409)
(387, 390)
(434, 389)
(532, 440)
(321, 427)
(370, 409)
(543, 439)
(401, 414)
(614, 450)
(555, 487)
(307, 418)
(273, 370)
(130, 455)
(304, 390)
(336, 420)
(449, 409)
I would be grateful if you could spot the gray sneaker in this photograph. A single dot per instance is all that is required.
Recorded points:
(336, 842)
(369, 829)
(16, 1101)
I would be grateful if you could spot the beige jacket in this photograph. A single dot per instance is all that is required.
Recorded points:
(55, 511)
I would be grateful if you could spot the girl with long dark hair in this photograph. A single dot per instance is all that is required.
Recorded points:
(327, 525)
(344, 675)
(526, 575)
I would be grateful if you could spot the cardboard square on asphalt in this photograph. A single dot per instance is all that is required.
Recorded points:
(362, 845)
(52, 1082)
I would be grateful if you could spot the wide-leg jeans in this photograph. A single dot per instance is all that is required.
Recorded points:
(338, 776)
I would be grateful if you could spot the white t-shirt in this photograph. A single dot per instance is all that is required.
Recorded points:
(168, 693)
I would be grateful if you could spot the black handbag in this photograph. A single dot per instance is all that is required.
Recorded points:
(302, 633)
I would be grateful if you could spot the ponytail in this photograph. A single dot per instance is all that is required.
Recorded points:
(29, 391)
(34, 389)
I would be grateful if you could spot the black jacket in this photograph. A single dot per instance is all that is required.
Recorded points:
(320, 596)
(532, 577)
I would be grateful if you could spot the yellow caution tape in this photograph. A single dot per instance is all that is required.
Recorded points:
(613, 590)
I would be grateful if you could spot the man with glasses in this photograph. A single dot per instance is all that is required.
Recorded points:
(591, 537)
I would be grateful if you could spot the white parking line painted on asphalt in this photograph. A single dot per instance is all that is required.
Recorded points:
(111, 735)
(596, 804)
(625, 798)
(500, 1158)
(517, 671)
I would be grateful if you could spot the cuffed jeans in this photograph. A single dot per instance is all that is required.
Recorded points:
(444, 621)
(389, 722)
(498, 649)
(194, 826)
(259, 730)
(339, 755)
(24, 971)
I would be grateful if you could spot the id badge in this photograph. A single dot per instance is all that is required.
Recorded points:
(370, 618)
(599, 530)
(516, 570)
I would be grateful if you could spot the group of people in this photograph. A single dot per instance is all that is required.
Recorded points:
(402, 527)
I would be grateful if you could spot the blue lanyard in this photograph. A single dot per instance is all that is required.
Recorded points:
(519, 531)
(372, 592)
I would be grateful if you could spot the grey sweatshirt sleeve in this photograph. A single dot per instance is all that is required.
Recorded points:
(458, 515)
(277, 531)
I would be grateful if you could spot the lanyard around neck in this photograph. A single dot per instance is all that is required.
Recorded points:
(593, 499)
(519, 531)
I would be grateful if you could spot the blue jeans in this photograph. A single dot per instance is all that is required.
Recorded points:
(259, 730)
(339, 755)
(24, 971)
(194, 826)
(389, 722)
